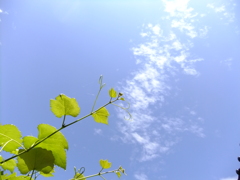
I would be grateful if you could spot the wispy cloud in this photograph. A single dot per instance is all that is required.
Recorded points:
(141, 176)
(229, 178)
(226, 14)
(181, 16)
(159, 58)
(227, 62)
(3, 12)
(97, 131)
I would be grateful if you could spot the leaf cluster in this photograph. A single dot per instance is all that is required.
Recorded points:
(34, 156)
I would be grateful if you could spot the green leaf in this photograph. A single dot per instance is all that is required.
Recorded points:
(46, 175)
(28, 141)
(118, 174)
(57, 143)
(105, 164)
(10, 137)
(7, 177)
(79, 176)
(50, 174)
(14, 177)
(64, 105)
(101, 116)
(15, 152)
(9, 165)
(36, 159)
(122, 99)
(20, 178)
(112, 93)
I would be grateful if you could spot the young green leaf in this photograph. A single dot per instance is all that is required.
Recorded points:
(57, 143)
(64, 105)
(105, 164)
(122, 170)
(118, 174)
(10, 137)
(79, 176)
(36, 159)
(101, 116)
(122, 99)
(9, 165)
(112, 93)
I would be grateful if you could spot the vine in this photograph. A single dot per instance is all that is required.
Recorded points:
(34, 156)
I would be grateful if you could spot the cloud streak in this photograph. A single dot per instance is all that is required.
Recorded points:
(221, 9)
(229, 178)
(163, 55)
(141, 176)
(160, 57)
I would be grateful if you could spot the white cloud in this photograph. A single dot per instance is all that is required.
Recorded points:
(182, 16)
(4, 12)
(159, 57)
(227, 62)
(229, 178)
(173, 7)
(226, 11)
(156, 30)
(97, 131)
(150, 150)
(183, 25)
(216, 9)
(203, 31)
(140, 176)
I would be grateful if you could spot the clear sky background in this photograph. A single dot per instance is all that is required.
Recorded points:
(177, 62)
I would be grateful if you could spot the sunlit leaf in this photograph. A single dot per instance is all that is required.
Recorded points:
(50, 174)
(118, 174)
(15, 152)
(64, 105)
(57, 143)
(101, 116)
(21, 178)
(28, 141)
(36, 159)
(10, 137)
(122, 99)
(79, 176)
(46, 175)
(14, 177)
(7, 177)
(112, 93)
(9, 165)
(105, 164)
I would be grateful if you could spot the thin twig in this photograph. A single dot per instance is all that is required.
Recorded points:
(40, 141)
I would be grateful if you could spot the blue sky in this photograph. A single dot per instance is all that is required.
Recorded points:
(176, 62)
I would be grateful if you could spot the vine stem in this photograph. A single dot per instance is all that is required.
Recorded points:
(100, 88)
(63, 127)
(63, 123)
(98, 174)
(32, 174)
